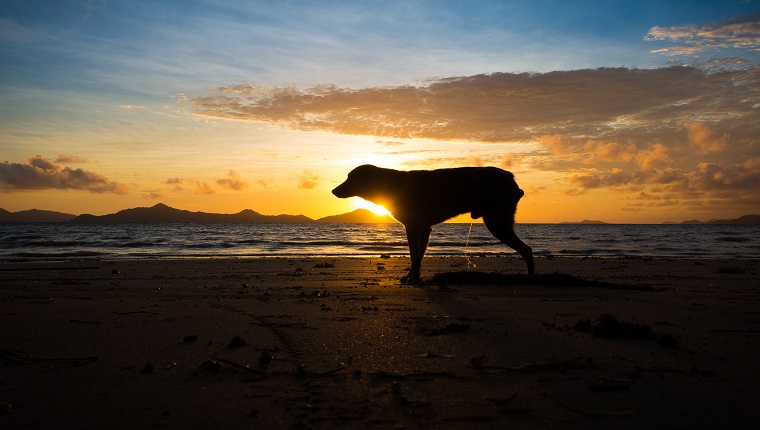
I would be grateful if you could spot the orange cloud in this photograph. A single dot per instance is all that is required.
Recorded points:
(702, 137)
(40, 173)
(232, 182)
(308, 180)
(708, 181)
(609, 152)
(558, 144)
(508, 161)
(201, 187)
(656, 155)
(611, 104)
(62, 158)
(152, 196)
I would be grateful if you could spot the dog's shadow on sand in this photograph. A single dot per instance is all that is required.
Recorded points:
(464, 278)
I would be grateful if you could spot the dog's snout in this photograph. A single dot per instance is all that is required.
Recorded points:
(340, 191)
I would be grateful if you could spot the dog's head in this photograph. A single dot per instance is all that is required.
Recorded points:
(359, 181)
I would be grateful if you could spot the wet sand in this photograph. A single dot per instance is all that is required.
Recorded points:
(622, 343)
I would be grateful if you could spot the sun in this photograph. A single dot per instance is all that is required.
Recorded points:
(359, 203)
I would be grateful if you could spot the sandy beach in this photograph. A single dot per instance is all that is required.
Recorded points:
(593, 343)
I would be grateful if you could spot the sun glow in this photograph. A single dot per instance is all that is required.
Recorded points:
(359, 203)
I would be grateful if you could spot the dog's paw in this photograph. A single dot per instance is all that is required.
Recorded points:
(411, 280)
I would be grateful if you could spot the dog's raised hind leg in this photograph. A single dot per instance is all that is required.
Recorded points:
(418, 237)
(503, 229)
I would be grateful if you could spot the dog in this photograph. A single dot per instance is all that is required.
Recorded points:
(420, 199)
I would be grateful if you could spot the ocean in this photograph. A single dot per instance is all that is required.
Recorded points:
(90, 241)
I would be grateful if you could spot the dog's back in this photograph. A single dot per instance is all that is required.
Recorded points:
(433, 196)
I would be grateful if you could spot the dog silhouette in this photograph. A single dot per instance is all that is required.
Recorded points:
(420, 199)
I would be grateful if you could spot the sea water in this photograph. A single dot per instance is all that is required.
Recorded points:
(72, 241)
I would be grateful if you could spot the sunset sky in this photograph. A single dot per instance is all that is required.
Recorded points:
(623, 111)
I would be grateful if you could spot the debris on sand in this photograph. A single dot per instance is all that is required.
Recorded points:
(433, 355)
(236, 342)
(607, 326)
(211, 366)
(265, 358)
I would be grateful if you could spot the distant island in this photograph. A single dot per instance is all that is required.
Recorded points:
(585, 221)
(34, 215)
(162, 213)
(746, 219)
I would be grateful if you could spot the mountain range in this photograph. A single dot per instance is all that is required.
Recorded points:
(164, 213)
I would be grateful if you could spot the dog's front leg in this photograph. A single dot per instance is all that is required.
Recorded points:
(418, 237)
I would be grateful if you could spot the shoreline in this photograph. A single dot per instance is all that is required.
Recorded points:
(152, 342)
(378, 255)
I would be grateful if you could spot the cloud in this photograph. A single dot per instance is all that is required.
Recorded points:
(131, 107)
(91, 6)
(738, 33)
(706, 182)
(62, 158)
(40, 173)
(308, 180)
(232, 182)
(201, 187)
(704, 138)
(604, 103)
(508, 161)
(152, 196)
(656, 155)
(608, 152)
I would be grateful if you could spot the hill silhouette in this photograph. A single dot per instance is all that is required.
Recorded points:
(746, 219)
(163, 213)
(359, 216)
(34, 215)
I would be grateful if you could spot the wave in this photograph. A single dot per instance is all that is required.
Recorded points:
(136, 245)
(57, 254)
(733, 239)
(58, 243)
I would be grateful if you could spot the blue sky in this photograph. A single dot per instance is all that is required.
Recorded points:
(139, 48)
(122, 86)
